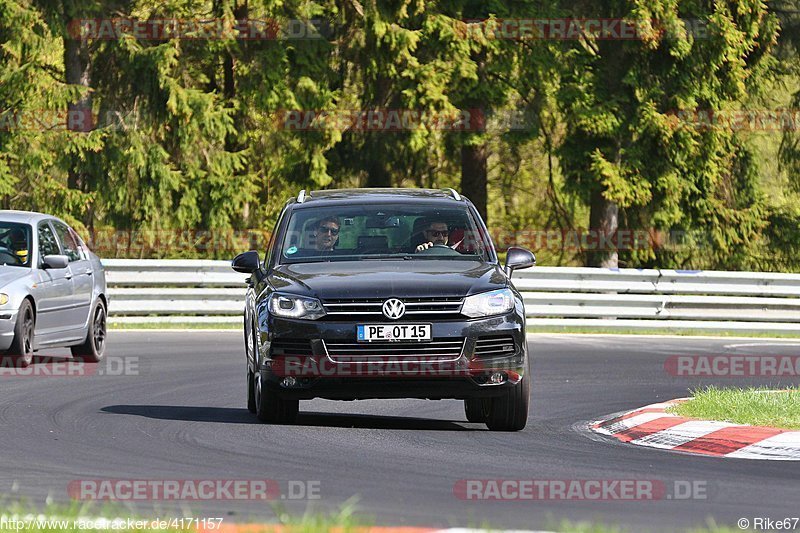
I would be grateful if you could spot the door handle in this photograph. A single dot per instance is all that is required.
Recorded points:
(67, 276)
(88, 272)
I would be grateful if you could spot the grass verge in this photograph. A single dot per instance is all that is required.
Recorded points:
(80, 517)
(753, 406)
(176, 325)
(636, 331)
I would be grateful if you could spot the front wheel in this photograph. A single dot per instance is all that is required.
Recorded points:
(509, 412)
(21, 349)
(271, 408)
(474, 409)
(93, 348)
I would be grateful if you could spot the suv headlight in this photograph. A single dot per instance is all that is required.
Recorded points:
(488, 303)
(3, 299)
(291, 306)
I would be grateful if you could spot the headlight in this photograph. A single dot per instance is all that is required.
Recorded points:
(3, 299)
(488, 303)
(291, 306)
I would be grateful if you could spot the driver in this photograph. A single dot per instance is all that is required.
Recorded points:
(436, 232)
(326, 234)
(18, 244)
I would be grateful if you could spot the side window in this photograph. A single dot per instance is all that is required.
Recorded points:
(83, 250)
(47, 241)
(273, 239)
(71, 248)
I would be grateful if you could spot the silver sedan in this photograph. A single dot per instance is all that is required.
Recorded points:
(52, 289)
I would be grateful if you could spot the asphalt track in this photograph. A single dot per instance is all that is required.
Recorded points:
(180, 414)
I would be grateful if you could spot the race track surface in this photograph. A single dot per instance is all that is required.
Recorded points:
(180, 414)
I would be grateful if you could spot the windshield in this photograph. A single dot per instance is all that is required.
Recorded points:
(384, 232)
(15, 244)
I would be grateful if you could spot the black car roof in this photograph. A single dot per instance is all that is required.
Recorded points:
(332, 196)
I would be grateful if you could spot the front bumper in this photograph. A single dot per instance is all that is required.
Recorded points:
(8, 320)
(320, 375)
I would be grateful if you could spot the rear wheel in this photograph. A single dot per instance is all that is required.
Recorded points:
(93, 348)
(509, 412)
(21, 349)
(270, 407)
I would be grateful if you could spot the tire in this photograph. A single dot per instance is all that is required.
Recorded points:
(251, 392)
(21, 349)
(93, 348)
(473, 408)
(510, 411)
(249, 335)
(271, 408)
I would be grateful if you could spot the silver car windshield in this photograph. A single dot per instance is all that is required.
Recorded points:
(384, 232)
(15, 244)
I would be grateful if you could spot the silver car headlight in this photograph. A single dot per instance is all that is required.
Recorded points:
(489, 303)
(3, 299)
(291, 306)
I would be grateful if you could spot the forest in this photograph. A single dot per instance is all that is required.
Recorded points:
(611, 133)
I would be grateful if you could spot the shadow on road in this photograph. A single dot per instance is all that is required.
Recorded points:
(225, 415)
(229, 415)
(380, 422)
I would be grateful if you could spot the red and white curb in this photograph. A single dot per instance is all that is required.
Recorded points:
(653, 427)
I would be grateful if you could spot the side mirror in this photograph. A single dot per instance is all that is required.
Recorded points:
(55, 261)
(518, 258)
(246, 263)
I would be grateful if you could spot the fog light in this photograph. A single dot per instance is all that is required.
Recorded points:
(289, 382)
(497, 378)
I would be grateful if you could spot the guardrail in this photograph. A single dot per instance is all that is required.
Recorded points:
(210, 292)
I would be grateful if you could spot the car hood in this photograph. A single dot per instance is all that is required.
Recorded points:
(10, 274)
(384, 279)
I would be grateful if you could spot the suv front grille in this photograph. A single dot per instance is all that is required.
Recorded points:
(495, 346)
(291, 347)
(437, 350)
(373, 307)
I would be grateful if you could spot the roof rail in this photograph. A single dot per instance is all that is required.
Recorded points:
(454, 194)
(301, 197)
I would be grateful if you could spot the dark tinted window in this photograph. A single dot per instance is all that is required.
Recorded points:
(15, 244)
(48, 245)
(71, 248)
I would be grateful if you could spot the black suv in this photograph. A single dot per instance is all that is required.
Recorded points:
(385, 293)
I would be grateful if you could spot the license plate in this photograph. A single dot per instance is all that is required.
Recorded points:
(393, 332)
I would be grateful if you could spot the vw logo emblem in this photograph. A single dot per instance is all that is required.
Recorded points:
(394, 308)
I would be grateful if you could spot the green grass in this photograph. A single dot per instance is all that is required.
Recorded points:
(566, 526)
(343, 520)
(636, 331)
(176, 325)
(753, 406)
(60, 518)
(533, 329)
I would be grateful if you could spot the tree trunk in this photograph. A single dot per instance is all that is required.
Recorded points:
(473, 175)
(77, 70)
(603, 226)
